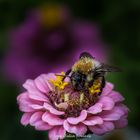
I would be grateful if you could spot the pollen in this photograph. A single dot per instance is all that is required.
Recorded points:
(58, 82)
(95, 88)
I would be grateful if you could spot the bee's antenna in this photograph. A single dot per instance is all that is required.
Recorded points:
(63, 75)
(60, 75)
(68, 76)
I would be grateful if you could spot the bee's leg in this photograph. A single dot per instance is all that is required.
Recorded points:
(66, 74)
(102, 85)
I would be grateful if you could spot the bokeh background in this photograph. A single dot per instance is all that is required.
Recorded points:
(108, 29)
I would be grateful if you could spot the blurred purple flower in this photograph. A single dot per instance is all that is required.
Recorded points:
(50, 40)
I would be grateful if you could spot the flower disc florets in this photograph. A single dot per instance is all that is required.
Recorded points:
(64, 98)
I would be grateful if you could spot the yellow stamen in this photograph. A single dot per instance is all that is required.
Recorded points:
(66, 97)
(81, 97)
(95, 88)
(58, 82)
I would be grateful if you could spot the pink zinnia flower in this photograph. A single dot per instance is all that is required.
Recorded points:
(52, 105)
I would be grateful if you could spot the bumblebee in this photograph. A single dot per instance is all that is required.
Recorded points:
(87, 73)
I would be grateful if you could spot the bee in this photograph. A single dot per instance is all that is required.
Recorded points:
(86, 71)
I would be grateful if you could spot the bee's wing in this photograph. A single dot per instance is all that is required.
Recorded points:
(107, 68)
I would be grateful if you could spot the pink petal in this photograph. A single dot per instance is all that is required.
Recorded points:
(49, 77)
(22, 97)
(25, 108)
(62, 105)
(115, 114)
(117, 97)
(52, 109)
(97, 108)
(57, 133)
(40, 125)
(107, 89)
(25, 118)
(52, 119)
(102, 129)
(35, 118)
(36, 107)
(38, 97)
(79, 129)
(34, 93)
(76, 120)
(93, 120)
(124, 108)
(24, 102)
(122, 122)
(107, 103)
(41, 83)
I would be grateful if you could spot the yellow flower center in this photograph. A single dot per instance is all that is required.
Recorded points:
(69, 100)
(95, 88)
(59, 82)
(51, 15)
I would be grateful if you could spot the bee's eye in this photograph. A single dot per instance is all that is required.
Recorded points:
(78, 79)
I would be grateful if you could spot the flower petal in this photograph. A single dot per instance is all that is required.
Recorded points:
(97, 108)
(107, 89)
(36, 107)
(76, 120)
(34, 93)
(115, 114)
(79, 129)
(24, 102)
(25, 118)
(93, 120)
(116, 96)
(121, 123)
(40, 125)
(62, 105)
(107, 103)
(124, 108)
(102, 129)
(41, 83)
(52, 119)
(50, 76)
(35, 118)
(52, 109)
(57, 133)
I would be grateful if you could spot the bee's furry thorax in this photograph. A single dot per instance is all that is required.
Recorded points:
(83, 65)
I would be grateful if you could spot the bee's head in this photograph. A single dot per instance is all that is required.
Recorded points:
(78, 80)
(83, 65)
